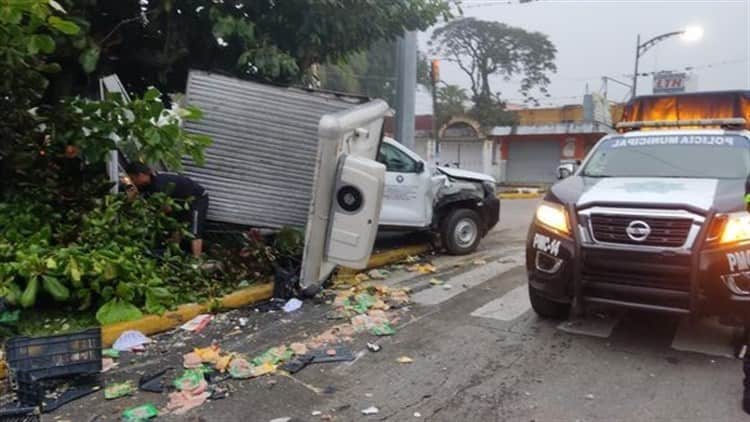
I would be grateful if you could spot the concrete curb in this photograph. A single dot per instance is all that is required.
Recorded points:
(153, 324)
(384, 258)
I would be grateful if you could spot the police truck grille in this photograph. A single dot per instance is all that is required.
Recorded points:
(666, 232)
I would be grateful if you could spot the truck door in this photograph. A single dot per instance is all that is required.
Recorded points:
(407, 201)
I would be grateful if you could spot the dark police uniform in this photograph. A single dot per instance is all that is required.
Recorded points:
(182, 188)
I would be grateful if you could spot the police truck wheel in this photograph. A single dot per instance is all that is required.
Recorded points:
(461, 231)
(546, 308)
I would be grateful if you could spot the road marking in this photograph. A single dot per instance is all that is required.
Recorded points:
(704, 336)
(592, 325)
(507, 307)
(465, 281)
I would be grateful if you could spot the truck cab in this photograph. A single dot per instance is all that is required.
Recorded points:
(459, 206)
(653, 219)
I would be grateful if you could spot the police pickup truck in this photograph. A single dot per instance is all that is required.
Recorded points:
(653, 220)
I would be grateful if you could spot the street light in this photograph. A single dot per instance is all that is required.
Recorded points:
(691, 33)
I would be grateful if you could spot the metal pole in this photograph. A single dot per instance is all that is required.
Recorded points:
(637, 56)
(435, 128)
(406, 88)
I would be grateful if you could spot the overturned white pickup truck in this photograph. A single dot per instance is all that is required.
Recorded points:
(266, 167)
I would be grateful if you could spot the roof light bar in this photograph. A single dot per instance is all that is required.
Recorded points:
(734, 121)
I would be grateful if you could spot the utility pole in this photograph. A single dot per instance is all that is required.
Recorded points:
(406, 88)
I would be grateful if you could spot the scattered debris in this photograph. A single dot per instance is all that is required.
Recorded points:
(417, 415)
(373, 347)
(140, 413)
(108, 364)
(298, 363)
(153, 383)
(130, 340)
(298, 348)
(316, 413)
(377, 274)
(190, 380)
(198, 323)
(372, 410)
(405, 359)
(383, 329)
(361, 277)
(240, 368)
(191, 361)
(287, 419)
(340, 354)
(274, 356)
(243, 321)
(422, 269)
(590, 397)
(111, 353)
(447, 287)
(479, 261)
(119, 389)
(436, 282)
(292, 305)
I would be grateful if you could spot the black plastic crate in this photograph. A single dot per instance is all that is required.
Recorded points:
(20, 414)
(38, 358)
(50, 394)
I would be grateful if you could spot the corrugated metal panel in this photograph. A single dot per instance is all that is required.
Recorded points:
(259, 170)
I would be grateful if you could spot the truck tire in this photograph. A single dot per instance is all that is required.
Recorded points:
(461, 231)
(546, 308)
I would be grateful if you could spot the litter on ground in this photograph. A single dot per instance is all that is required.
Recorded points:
(198, 323)
(372, 410)
(130, 340)
(292, 305)
(140, 413)
(119, 389)
(405, 359)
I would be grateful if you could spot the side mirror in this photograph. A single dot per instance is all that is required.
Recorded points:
(419, 167)
(565, 170)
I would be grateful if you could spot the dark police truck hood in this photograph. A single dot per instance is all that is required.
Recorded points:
(720, 195)
(699, 194)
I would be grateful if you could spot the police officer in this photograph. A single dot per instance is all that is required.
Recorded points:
(178, 187)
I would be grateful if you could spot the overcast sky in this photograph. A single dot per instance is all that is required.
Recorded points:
(595, 38)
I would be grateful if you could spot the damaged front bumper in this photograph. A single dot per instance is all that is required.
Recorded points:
(714, 281)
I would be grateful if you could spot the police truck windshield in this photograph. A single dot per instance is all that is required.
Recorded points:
(691, 156)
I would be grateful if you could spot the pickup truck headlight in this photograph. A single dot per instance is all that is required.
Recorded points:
(490, 189)
(553, 216)
(736, 228)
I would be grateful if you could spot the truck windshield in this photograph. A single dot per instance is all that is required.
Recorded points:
(693, 156)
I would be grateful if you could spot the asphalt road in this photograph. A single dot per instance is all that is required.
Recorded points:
(480, 354)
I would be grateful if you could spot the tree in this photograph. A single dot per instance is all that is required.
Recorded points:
(483, 49)
(156, 42)
(371, 73)
(451, 101)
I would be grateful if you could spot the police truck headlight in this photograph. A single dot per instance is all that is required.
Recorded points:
(553, 216)
(736, 228)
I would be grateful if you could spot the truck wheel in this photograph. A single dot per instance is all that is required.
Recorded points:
(546, 308)
(461, 231)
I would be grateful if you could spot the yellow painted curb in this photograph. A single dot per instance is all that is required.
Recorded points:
(516, 195)
(153, 324)
(384, 258)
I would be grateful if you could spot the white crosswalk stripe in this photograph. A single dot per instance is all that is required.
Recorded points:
(508, 307)
(467, 280)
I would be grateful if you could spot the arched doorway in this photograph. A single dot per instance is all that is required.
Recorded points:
(462, 145)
